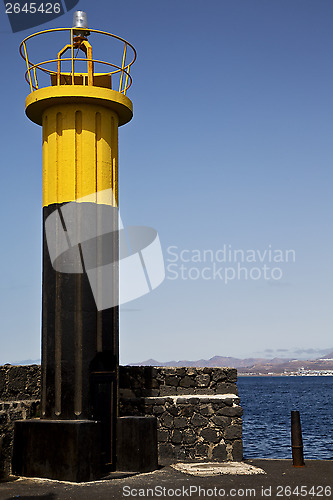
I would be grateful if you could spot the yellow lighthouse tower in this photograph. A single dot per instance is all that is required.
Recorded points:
(80, 107)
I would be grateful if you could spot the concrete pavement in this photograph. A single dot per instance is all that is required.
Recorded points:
(280, 481)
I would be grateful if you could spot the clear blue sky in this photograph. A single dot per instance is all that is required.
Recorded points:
(230, 144)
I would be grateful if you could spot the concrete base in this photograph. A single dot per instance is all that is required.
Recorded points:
(67, 450)
(137, 444)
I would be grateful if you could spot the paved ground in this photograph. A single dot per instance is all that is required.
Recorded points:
(281, 481)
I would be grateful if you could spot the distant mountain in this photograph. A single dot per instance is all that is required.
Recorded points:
(247, 365)
(328, 356)
(252, 365)
(27, 362)
(215, 361)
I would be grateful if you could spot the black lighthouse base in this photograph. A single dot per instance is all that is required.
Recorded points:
(67, 450)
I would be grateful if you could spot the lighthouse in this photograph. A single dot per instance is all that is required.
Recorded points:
(80, 101)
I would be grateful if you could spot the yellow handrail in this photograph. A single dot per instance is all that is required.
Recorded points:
(50, 72)
(127, 75)
(124, 69)
(63, 50)
(27, 60)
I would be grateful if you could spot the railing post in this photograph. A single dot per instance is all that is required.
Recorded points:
(27, 61)
(122, 67)
(72, 55)
(296, 440)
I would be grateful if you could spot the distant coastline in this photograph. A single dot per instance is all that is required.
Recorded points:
(248, 367)
(283, 367)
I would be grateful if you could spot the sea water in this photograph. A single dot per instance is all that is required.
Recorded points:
(267, 404)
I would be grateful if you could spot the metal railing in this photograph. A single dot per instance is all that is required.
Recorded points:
(121, 72)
